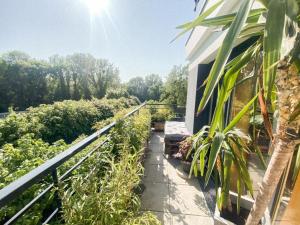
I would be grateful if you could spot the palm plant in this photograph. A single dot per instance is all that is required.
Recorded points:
(276, 27)
(225, 147)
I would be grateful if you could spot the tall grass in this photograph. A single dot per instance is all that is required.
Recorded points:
(110, 199)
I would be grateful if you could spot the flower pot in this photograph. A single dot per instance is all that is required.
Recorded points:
(186, 166)
(159, 126)
(233, 219)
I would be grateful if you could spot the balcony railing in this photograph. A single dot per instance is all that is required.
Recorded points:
(12, 191)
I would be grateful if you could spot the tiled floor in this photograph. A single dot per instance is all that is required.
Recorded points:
(173, 199)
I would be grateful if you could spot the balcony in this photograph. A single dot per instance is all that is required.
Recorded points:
(175, 200)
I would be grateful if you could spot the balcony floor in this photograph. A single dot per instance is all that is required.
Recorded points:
(173, 199)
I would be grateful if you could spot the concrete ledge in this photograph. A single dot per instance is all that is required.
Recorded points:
(175, 132)
(246, 203)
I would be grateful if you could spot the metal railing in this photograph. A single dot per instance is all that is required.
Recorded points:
(179, 111)
(15, 189)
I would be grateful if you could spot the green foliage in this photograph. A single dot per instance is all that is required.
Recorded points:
(145, 218)
(26, 82)
(116, 93)
(224, 52)
(104, 200)
(226, 145)
(154, 86)
(16, 161)
(149, 88)
(110, 199)
(136, 87)
(62, 120)
(106, 167)
(12, 128)
(175, 88)
(162, 115)
(226, 149)
(27, 154)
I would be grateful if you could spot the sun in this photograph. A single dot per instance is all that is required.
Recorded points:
(96, 6)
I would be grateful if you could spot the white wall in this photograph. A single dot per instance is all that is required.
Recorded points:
(191, 97)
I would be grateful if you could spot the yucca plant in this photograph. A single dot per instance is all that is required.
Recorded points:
(225, 147)
(276, 26)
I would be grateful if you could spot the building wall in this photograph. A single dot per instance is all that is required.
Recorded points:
(191, 96)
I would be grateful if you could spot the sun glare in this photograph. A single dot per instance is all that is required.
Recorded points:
(96, 6)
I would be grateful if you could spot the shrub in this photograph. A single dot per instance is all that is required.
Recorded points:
(110, 199)
(121, 153)
(62, 120)
(30, 153)
(116, 93)
(12, 128)
(161, 115)
(16, 162)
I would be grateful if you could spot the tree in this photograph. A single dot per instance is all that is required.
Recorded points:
(154, 86)
(278, 37)
(22, 81)
(136, 87)
(103, 76)
(25, 81)
(91, 77)
(15, 57)
(60, 74)
(175, 88)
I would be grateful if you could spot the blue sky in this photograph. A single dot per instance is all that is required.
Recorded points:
(132, 34)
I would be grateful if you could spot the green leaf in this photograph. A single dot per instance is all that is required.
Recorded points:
(226, 20)
(202, 160)
(229, 82)
(235, 61)
(198, 20)
(242, 169)
(198, 138)
(214, 151)
(239, 191)
(251, 30)
(203, 148)
(272, 43)
(237, 118)
(226, 184)
(224, 52)
(252, 34)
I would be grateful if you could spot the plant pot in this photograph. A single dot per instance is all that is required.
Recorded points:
(246, 205)
(186, 166)
(159, 126)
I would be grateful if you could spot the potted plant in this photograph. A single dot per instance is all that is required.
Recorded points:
(224, 155)
(275, 26)
(182, 154)
(159, 117)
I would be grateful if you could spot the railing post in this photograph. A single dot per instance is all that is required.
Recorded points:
(57, 199)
